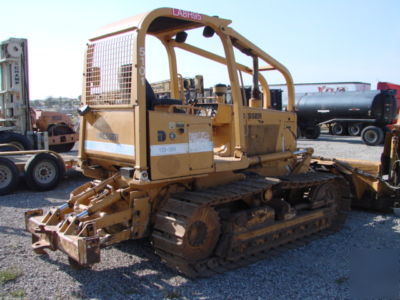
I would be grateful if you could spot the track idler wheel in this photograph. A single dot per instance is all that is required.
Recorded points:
(324, 194)
(201, 234)
(192, 237)
(333, 193)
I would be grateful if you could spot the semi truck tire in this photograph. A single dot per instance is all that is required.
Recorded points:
(372, 135)
(354, 129)
(338, 129)
(312, 132)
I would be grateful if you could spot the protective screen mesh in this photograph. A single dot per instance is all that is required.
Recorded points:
(109, 70)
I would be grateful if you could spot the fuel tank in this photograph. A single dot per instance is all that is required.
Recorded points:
(377, 105)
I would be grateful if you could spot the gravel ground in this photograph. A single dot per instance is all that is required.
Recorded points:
(342, 147)
(130, 270)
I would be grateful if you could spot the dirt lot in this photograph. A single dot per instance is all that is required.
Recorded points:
(130, 270)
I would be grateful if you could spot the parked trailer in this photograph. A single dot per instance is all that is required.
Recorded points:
(42, 169)
(363, 113)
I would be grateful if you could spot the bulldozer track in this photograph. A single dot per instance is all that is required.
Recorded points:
(173, 223)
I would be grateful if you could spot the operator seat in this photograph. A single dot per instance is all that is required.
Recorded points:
(152, 100)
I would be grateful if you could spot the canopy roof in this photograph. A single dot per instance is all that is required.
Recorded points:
(161, 20)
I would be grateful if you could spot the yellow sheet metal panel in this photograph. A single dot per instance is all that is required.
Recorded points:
(200, 147)
(274, 131)
(180, 145)
(111, 135)
(371, 167)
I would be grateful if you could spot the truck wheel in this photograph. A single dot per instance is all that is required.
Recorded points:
(16, 139)
(354, 129)
(337, 129)
(43, 171)
(312, 132)
(9, 176)
(372, 135)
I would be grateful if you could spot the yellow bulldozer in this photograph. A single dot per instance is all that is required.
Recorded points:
(214, 186)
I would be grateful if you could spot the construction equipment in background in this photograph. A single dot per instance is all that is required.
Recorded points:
(189, 88)
(21, 127)
(216, 186)
(59, 128)
(193, 91)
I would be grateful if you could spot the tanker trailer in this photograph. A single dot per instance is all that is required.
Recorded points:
(364, 113)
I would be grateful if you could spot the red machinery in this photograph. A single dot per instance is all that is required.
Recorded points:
(390, 86)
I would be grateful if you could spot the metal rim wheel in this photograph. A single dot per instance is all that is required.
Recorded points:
(354, 129)
(43, 171)
(337, 129)
(9, 176)
(372, 135)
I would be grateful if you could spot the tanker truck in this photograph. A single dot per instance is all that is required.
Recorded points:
(364, 113)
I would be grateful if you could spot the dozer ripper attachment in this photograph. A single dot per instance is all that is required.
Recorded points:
(98, 214)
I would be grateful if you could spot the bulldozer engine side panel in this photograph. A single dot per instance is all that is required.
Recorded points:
(180, 145)
(269, 131)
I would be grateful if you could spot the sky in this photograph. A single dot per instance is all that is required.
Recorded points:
(317, 40)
